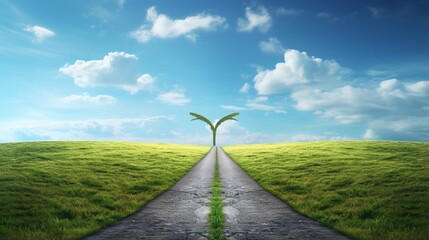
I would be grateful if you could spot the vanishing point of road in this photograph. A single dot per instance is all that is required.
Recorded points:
(182, 212)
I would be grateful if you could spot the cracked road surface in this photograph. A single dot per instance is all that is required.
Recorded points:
(179, 213)
(253, 213)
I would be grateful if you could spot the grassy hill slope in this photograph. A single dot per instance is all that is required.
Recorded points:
(368, 190)
(66, 190)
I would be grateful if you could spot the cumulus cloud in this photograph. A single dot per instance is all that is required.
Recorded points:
(245, 88)
(161, 26)
(41, 33)
(258, 18)
(337, 103)
(85, 98)
(176, 97)
(116, 69)
(298, 69)
(419, 88)
(408, 128)
(228, 131)
(272, 45)
(392, 110)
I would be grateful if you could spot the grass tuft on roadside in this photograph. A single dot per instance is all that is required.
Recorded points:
(365, 189)
(216, 215)
(67, 190)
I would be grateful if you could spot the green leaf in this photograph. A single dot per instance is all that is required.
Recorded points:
(214, 128)
(202, 118)
(226, 118)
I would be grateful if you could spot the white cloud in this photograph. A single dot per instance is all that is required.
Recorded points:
(410, 128)
(419, 88)
(162, 26)
(393, 110)
(145, 81)
(136, 129)
(228, 133)
(39, 32)
(265, 107)
(258, 18)
(176, 97)
(337, 104)
(256, 104)
(259, 99)
(273, 45)
(369, 134)
(231, 132)
(233, 108)
(245, 88)
(298, 69)
(116, 69)
(85, 98)
(121, 129)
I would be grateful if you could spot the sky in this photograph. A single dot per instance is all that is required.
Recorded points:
(129, 70)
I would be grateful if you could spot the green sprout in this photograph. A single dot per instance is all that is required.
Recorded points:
(214, 128)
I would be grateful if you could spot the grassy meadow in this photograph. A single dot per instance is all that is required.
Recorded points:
(66, 190)
(365, 189)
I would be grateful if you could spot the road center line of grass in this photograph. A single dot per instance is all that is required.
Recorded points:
(216, 215)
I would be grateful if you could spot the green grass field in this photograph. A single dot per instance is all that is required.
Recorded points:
(66, 190)
(367, 190)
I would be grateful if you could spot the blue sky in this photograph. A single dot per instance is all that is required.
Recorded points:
(133, 70)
